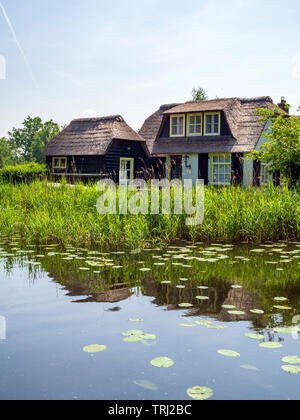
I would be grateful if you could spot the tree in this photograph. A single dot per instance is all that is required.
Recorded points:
(199, 94)
(281, 152)
(29, 141)
(7, 156)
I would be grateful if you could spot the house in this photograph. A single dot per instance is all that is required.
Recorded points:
(210, 140)
(98, 147)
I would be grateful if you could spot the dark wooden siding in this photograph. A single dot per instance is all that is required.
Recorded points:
(256, 173)
(237, 168)
(203, 167)
(81, 164)
(126, 149)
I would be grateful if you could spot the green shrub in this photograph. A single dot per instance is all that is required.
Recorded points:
(23, 173)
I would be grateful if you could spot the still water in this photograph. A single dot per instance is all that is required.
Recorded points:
(56, 301)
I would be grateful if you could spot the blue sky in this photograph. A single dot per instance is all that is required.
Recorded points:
(72, 58)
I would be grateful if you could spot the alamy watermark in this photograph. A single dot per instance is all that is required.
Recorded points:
(158, 197)
(3, 326)
(2, 68)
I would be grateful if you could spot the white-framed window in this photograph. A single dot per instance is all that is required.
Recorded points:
(126, 169)
(265, 175)
(212, 123)
(59, 163)
(220, 169)
(177, 126)
(195, 124)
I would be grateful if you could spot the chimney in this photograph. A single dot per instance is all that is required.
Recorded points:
(283, 105)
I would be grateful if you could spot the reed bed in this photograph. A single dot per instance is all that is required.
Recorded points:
(43, 213)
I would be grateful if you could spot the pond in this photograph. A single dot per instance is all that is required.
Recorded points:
(187, 302)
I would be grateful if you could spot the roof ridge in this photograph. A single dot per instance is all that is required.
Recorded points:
(112, 118)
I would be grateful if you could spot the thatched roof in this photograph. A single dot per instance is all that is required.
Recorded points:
(90, 136)
(152, 124)
(244, 124)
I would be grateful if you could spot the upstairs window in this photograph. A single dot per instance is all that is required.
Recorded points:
(59, 163)
(177, 126)
(195, 124)
(212, 124)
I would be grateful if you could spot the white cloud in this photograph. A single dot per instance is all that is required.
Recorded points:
(296, 67)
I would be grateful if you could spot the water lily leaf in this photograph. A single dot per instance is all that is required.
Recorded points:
(255, 336)
(162, 362)
(145, 336)
(250, 367)
(284, 308)
(185, 305)
(271, 345)
(200, 393)
(280, 299)
(293, 360)
(132, 339)
(187, 325)
(236, 313)
(180, 287)
(145, 269)
(236, 287)
(136, 320)
(203, 323)
(287, 330)
(132, 332)
(203, 287)
(94, 348)
(217, 327)
(229, 353)
(257, 311)
(166, 282)
(202, 297)
(228, 306)
(146, 385)
(291, 369)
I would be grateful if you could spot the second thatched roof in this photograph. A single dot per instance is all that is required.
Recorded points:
(90, 136)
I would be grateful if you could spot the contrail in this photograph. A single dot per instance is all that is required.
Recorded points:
(18, 45)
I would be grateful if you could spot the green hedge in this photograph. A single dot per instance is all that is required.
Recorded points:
(23, 173)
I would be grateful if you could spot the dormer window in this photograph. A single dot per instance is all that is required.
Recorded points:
(195, 124)
(177, 126)
(212, 124)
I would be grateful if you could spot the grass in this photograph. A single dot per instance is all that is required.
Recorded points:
(43, 213)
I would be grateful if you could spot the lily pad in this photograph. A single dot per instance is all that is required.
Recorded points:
(255, 336)
(257, 311)
(185, 305)
(293, 360)
(291, 369)
(132, 339)
(203, 287)
(283, 308)
(236, 313)
(250, 367)
(271, 345)
(229, 353)
(146, 385)
(228, 306)
(136, 320)
(132, 333)
(162, 362)
(280, 299)
(166, 282)
(200, 393)
(203, 323)
(202, 297)
(187, 325)
(94, 348)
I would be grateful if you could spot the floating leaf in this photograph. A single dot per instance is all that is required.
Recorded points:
(203, 323)
(255, 336)
(229, 353)
(291, 369)
(257, 311)
(202, 297)
(286, 330)
(94, 348)
(217, 327)
(293, 360)
(236, 313)
(280, 299)
(250, 367)
(136, 320)
(236, 287)
(132, 332)
(228, 306)
(166, 282)
(187, 325)
(200, 393)
(271, 345)
(203, 287)
(185, 305)
(180, 287)
(146, 385)
(132, 339)
(284, 308)
(162, 362)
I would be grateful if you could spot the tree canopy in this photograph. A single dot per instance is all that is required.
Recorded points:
(199, 94)
(281, 152)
